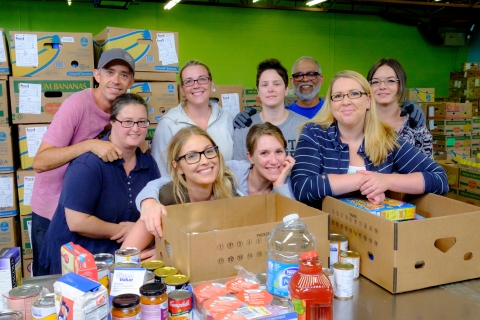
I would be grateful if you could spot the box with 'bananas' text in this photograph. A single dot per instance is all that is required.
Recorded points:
(419, 94)
(160, 97)
(450, 126)
(29, 140)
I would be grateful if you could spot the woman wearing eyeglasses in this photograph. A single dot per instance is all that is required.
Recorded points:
(388, 80)
(97, 204)
(347, 148)
(196, 83)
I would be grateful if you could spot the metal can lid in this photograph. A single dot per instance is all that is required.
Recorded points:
(126, 300)
(103, 257)
(47, 301)
(25, 291)
(153, 264)
(10, 315)
(101, 265)
(336, 237)
(130, 265)
(176, 279)
(343, 266)
(350, 254)
(327, 271)
(179, 294)
(153, 289)
(165, 272)
(129, 251)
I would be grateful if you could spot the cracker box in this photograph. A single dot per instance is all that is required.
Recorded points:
(160, 97)
(29, 140)
(450, 126)
(208, 239)
(389, 209)
(51, 54)
(36, 100)
(8, 196)
(419, 94)
(8, 232)
(4, 105)
(25, 180)
(10, 269)
(25, 230)
(78, 260)
(153, 51)
(4, 61)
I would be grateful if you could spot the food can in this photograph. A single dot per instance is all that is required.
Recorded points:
(111, 269)
(329, 273)
(162, 273)
(43, 308)
(338, 243)
(262, 278)
(343, 274)
(149, 277)
(21, 298)
(129, 254)
(153, 265)
(180, 305)
(352, 257)
(176, 282)
(10, 315)
(104, 257)
(103, 273)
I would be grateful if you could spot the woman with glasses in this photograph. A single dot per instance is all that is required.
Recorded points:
(97, 203)
(196, 83)
(388, 80)
(347, 148)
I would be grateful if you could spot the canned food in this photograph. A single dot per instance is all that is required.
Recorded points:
(111, 268)
(21, 298)
(152, 265)
(180, 305)
(104, 257)
(43, 308)
(10, 315)
(103, 273)
(129, 254)
(338, 243)
(176, 282)
(149, 277)
(343, 274)
(162, 273)
(329, 273)
(352, 257)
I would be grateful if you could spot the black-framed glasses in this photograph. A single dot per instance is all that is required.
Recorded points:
(191, 82)
(312, 75)
(351, 95)
(388, 82)
(130, 123)
(194, 157)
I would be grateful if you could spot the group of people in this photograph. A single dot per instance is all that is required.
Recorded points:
(96, 185)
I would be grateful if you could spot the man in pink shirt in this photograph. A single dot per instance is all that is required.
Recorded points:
(73, 131)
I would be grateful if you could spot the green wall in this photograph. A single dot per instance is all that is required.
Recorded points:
(233, 40)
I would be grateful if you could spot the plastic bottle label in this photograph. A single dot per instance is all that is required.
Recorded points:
(300, 306)
(278, 276)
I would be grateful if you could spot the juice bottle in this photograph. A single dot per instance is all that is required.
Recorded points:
(310, 289)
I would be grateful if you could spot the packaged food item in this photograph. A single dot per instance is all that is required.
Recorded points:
(343, 273)
(180, 305)
(104, 257)
(162, 273)
(338, 243)
(209, 290)
(223, 304)
(127, 255)
(43, 308)
(153, 265)
(176, 282)
(10, 269)
(154, 301)
(78, 260)
(256, 297)
(352, 257)
(11, 315)
(390, 209)
(240, 284)
(127, 307)
(22, 297)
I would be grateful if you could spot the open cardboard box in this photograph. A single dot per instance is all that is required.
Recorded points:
(415, 254)
(209, 238)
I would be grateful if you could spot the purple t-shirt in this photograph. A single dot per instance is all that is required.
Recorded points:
(78, 119)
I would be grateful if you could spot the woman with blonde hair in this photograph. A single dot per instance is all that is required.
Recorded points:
(347, 148)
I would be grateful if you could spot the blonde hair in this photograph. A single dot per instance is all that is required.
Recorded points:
(223, 186)
(380, 138)
(259, 130)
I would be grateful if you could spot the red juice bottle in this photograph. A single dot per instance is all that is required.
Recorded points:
(310, 289)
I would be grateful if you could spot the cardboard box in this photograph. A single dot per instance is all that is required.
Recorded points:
(452, 170)
(10, 269)
(475, 124)
(53, 93)
(4, 60)
(451, 142)
(25, 180)
(472, 93)
(474, 103)
(8, 196)
(8, 232)
(449, 110)
(415, 254)
(470, 66)
(25, 232)
(447, 127)
(4, 105)
(460, 84)
(209, 238)
(155, 76)
(234, 93)
(150, 133)
(468, 197)
(439, 154)
(473, 82)
(27, 267)
(419, 94)
(472, 73)
(452, 193)
(28, 143)
(58, 54)
(153, 51)
(475, 141)
(6, 149)
(457, 75)
(160, 96)
(469, 180)
(251, 100)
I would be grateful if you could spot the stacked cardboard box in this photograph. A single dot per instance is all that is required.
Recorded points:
(419, 94)
(465, 85)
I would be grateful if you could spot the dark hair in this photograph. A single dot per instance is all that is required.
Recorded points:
(190, 63)
(397, 67)
(272, 64)
(123, 100)
(263, 129)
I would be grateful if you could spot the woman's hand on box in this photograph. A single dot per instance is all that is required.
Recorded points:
(150, 214)
(372, 183)
(148, 254)
(127, 226)
(379, 198)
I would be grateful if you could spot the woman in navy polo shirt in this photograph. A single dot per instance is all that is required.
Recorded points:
(347, 148)
(97, 205)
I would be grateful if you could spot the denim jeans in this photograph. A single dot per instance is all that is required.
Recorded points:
(39, 229)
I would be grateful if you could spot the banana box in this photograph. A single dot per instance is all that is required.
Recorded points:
(251, 100)
(4, 61)
(25, 231)
(6, 149)
(460, 84)
(8, 196)
(469, 181)
(4, 106)
(458, 75)
(468, 197)
(29, 140)
(452, 171)
(448, 110)
(472, 93)
(451, 142)
(420, 94)
(160, 97)
(473, 82)
(150, 133)
(474, 103)
(25, 180)
(27, 267)
(51, 54)
(36, 100)
(439, 154)
(470, 66)
(447, 127)
(153, 51)
(8, 232)
(475, 140)
(472, 73)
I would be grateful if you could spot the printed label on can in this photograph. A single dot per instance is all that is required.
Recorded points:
(132, 258)
(180, 309)
(335, 249)
(343, 283)
(278, 276)
(356, 265)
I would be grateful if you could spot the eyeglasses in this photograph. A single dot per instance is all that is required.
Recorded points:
(194, 157)
(388, 82)
(351, 95)
(312, 75)
(130, 123)
(191, 82)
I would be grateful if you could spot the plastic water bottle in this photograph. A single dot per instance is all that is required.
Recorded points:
(285, 243)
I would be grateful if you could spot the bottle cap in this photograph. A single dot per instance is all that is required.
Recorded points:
(290, 217)
(309, 255)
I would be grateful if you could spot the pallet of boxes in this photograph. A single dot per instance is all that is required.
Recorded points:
(47, 68)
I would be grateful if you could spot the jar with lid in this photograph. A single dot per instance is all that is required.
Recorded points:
(154, 301)
(126, 307)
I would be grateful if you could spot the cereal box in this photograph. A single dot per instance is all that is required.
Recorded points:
(390, 209)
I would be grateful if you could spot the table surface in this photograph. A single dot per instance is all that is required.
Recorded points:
(456, 301)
